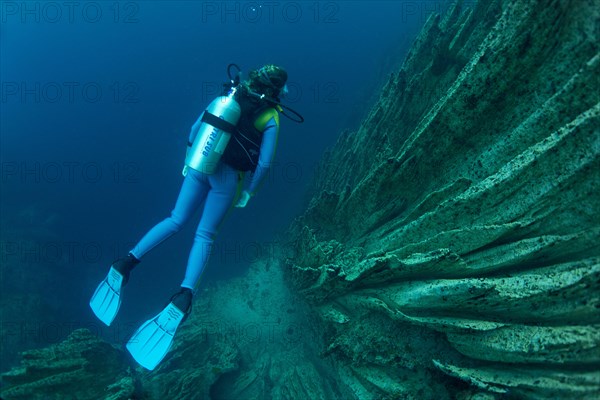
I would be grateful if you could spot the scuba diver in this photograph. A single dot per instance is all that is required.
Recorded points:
(236, 134)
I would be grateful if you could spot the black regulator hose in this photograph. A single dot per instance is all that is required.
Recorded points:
(236, 80)
(298, 118)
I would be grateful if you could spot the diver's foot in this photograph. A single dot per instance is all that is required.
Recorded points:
(183, 300)
(125, 265)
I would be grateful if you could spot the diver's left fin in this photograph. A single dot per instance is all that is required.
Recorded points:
(152, 341)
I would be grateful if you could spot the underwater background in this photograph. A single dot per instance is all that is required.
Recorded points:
(429, 232)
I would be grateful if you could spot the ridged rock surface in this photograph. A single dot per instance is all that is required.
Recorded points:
(81, 367)
(452, 247)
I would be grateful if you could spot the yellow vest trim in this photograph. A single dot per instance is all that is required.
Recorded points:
(263, 118)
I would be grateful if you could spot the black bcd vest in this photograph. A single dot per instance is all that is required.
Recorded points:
(243, 148)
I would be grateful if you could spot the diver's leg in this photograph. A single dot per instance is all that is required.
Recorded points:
(106, 300)
(224, 189)
(193, 190)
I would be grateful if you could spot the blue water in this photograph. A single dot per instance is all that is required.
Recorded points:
(97, 102)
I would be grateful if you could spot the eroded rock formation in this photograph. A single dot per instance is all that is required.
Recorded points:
(457, 230)
(81, 367)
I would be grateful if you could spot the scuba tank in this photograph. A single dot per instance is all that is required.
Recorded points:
(218, 124)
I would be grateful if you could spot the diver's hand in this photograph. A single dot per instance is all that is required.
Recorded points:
(244, 197)
(185, 167)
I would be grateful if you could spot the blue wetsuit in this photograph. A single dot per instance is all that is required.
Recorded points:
(220, 191)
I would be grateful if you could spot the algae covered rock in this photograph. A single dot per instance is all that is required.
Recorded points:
(273, 334)
(453, 238)
(192, 366)
(81, 367)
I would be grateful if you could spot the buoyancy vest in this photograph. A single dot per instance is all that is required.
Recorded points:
(243, 149)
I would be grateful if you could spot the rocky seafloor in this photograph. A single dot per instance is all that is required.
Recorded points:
(248, 338)
(451, 248)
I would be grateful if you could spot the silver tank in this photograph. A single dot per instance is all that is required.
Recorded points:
(210, 142)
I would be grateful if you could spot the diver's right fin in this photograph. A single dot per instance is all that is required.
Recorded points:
(107, 298)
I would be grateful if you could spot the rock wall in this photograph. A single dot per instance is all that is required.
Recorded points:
(451, 249)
